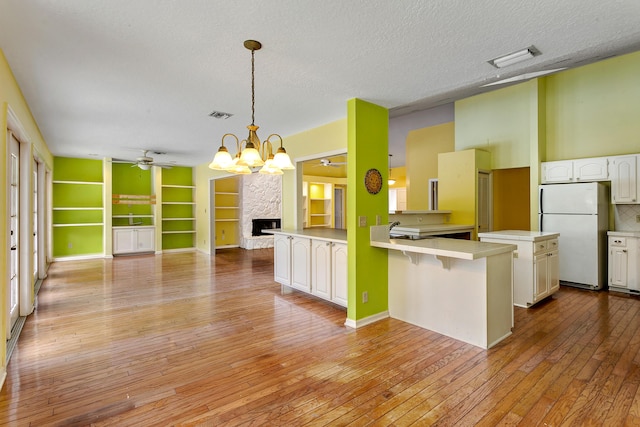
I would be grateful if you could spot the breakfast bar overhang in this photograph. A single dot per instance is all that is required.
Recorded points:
(458, 288)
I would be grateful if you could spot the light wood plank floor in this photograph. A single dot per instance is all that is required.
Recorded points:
(185, 339)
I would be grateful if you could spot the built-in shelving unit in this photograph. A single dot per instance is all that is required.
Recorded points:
(227, 212)
(78, 207)
(178, 208)
(320, 205)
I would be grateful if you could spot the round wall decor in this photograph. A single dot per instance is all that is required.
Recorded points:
(373, 181)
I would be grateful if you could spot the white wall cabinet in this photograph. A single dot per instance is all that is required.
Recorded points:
(560, 171)
(316, 266)
(128, 240)
(579, 170)
(536, 265)
(624, 257)
(624, 179)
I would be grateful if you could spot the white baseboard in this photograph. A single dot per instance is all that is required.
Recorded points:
(355, 324)
(79, 257)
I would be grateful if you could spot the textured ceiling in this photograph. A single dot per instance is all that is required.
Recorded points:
(113, 77)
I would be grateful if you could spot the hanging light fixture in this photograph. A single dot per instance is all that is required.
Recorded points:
(391, 180)
(254, 153)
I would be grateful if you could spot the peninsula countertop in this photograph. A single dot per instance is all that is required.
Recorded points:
(328, 234)
(452, 248)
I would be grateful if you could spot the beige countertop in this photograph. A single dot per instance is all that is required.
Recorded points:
(529, 236)
(452, 248)
(328, 234)
(624, 233)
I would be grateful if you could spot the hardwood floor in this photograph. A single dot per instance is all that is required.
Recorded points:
(185, 339)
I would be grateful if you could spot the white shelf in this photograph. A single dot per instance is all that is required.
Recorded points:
(227, 220)
(132, 216)
(178, 203)
(178, 219)
(84, 224)
(227, 207)
(96, 208)
(177, 186)
(227, 193)
(79, 182)
(323, 214)
(179, 232)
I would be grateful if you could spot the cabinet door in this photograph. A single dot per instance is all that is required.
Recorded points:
(560, 171)
(145, 240)
(301, 263)
(595, 169)
(282, 259)
(553, 271)
(633, 263)
(618, 262)
(339, 277)
(123, 241)
(321, 268)
(540, 275)
(624, 180)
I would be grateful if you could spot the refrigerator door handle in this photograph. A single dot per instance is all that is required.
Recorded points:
(540, 199)
(541, 222)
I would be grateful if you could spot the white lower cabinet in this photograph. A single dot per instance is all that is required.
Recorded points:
(339, 276)
(128, 240)
(624, 257)
(535, 266)
(318, 267)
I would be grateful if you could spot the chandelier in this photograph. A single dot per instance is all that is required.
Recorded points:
(255, 153)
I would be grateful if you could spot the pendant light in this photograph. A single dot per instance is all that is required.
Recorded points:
(254, 153)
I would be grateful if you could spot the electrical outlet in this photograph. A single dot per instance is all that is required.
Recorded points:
(365, 296)
(362, 220)
(70, 245)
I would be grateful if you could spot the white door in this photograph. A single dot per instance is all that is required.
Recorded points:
(35, 221)
(14, 215)
(484, 202)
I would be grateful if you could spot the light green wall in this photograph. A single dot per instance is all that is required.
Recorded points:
(497, 122)
(594, 110)
(368, 130)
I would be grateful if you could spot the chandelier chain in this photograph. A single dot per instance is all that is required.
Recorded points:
(253, 95)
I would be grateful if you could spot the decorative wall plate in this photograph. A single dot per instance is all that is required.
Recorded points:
(373, 181)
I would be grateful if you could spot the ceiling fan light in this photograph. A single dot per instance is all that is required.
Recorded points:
(222, 160)
(144, 166)
(392, 181)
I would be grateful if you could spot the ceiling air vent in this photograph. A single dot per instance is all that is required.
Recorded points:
(219, 115)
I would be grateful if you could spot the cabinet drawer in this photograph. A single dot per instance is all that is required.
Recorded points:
(617, 241)
(552, 244)
(539, 247)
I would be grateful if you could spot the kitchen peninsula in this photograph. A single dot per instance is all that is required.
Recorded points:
(312, 260)
(459, 288)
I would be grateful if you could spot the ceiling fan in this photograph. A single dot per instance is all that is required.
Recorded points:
(329, 163)
(145, 162)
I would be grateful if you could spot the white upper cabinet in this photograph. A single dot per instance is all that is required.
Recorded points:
(579, 170)
(560, 171)
(595, 169)
(624, 179)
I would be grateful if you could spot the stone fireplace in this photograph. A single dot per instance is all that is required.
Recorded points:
(261, 200)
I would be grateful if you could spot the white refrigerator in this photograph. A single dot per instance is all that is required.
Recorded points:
(580, 213)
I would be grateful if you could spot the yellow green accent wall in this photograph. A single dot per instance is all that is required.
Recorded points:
(422, 149)
(368, 143)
